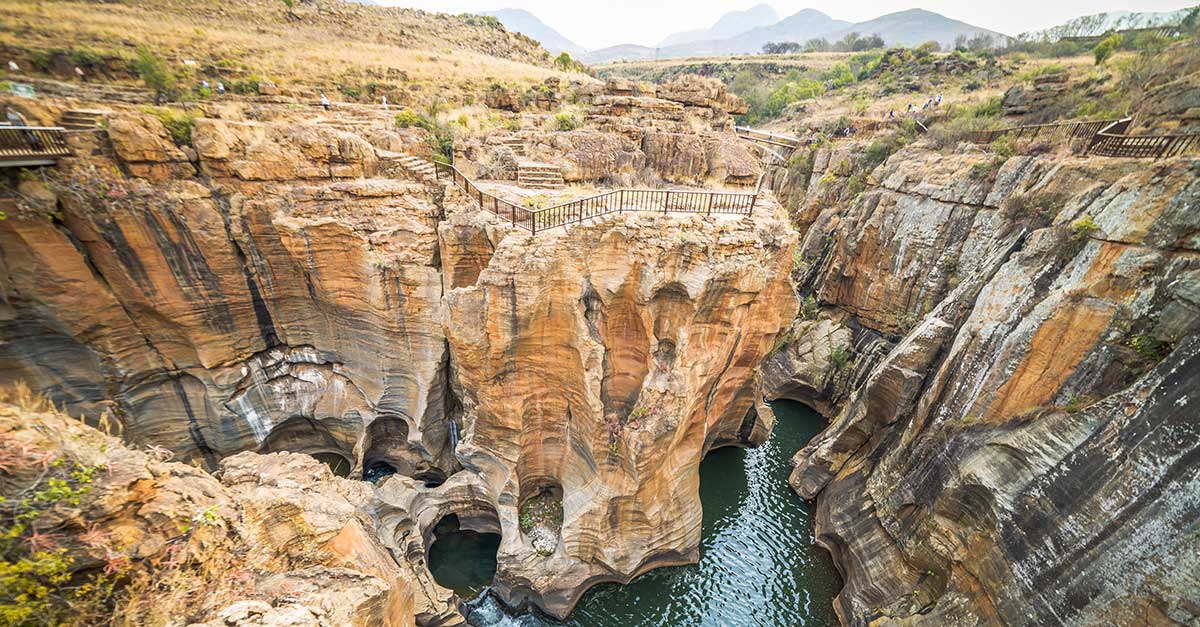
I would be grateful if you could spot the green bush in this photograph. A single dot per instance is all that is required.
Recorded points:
(38, 583)
(154, 73)
(410, 119)
(1107, 47)
(1084, 227)
(178, 123)
(565, 121)
(248, 86)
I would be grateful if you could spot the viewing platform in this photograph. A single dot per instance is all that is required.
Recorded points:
(29, 146)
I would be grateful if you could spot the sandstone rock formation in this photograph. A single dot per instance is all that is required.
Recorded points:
(271, 542)
(288, 286)
(1025, 453)
(681, 132)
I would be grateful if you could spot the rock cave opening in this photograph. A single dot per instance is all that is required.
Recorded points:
(387, 452)
(462, 550)
(330, 445)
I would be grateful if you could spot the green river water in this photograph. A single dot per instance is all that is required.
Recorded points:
(758, 565)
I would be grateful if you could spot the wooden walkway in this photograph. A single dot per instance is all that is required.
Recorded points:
(27, 146)
(1105, 138)
(616, 201)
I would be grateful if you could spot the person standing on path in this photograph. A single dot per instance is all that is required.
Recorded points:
(220, 88)
(324, 101)
(385, 107)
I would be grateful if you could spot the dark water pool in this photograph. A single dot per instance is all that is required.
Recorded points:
(758, 565)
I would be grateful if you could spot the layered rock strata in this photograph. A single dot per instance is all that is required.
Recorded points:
(284, 284)
(1026, 453)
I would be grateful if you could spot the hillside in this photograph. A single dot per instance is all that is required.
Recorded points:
(1100, 23)
(905, 28)
(731, 24)
(346, 47)
(914, 27)
(526, 23)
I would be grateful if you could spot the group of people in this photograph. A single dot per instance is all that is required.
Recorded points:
(220, 89)
(931, 102)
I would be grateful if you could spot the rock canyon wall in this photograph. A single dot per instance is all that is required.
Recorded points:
(1007, 350)
(283, 284)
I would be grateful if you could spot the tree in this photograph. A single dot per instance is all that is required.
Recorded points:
(819, 44)
(154, 72)
(564, 62)
(1107, 47)
(783, 47)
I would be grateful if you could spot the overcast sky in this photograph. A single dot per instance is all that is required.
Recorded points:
(609, 22)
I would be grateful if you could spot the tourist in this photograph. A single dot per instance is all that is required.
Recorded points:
(220, 88)
(80, 75)
(16, 119)
(891, 114)
(385, 107)
(324, 101)
(939, 100)
(910, 107)
(13, 67)
(204, 84)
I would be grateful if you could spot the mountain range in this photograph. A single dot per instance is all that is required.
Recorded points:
(731, 24)
(745, 31)
(528, 24)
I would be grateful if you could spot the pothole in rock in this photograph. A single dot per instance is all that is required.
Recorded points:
(541, 518)
(461, 559)
(331, 446)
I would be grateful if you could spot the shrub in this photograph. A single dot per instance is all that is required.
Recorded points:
(501, 167)
(248, 86)
(839, 357)
(565, 121)
(38, 585)
(178, 123)
(154, 73)
(1004, 146)
(1084, 227)
(1107, 47)
(409, 118)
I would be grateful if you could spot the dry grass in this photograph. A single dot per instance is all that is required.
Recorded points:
(330, 41)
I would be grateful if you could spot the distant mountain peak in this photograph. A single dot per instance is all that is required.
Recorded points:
(729, 25)
(528, 24)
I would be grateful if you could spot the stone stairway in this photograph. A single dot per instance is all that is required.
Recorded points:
(535, 175)
(517, 145)
(82, 120)
(419, 167)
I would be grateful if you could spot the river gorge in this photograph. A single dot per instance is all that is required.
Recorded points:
(650, 374)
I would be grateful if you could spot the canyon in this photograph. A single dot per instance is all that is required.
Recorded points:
(273, 352)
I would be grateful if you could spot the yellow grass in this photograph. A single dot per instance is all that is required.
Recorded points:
(418, 49)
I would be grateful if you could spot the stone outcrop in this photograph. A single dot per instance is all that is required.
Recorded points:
(276, 540)
(680, 132)
(610, 360)
(291, 288)
(1026, 452)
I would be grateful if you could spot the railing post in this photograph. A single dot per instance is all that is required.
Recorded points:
(666, 202)
(710, 198)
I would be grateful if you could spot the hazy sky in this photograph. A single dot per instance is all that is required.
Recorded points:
(608, 22)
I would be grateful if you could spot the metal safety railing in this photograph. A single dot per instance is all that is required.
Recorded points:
(619, 200)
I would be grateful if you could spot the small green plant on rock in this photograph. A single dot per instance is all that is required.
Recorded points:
(1084, 227)
(179, 124)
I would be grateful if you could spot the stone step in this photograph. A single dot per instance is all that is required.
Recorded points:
(540, 179)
